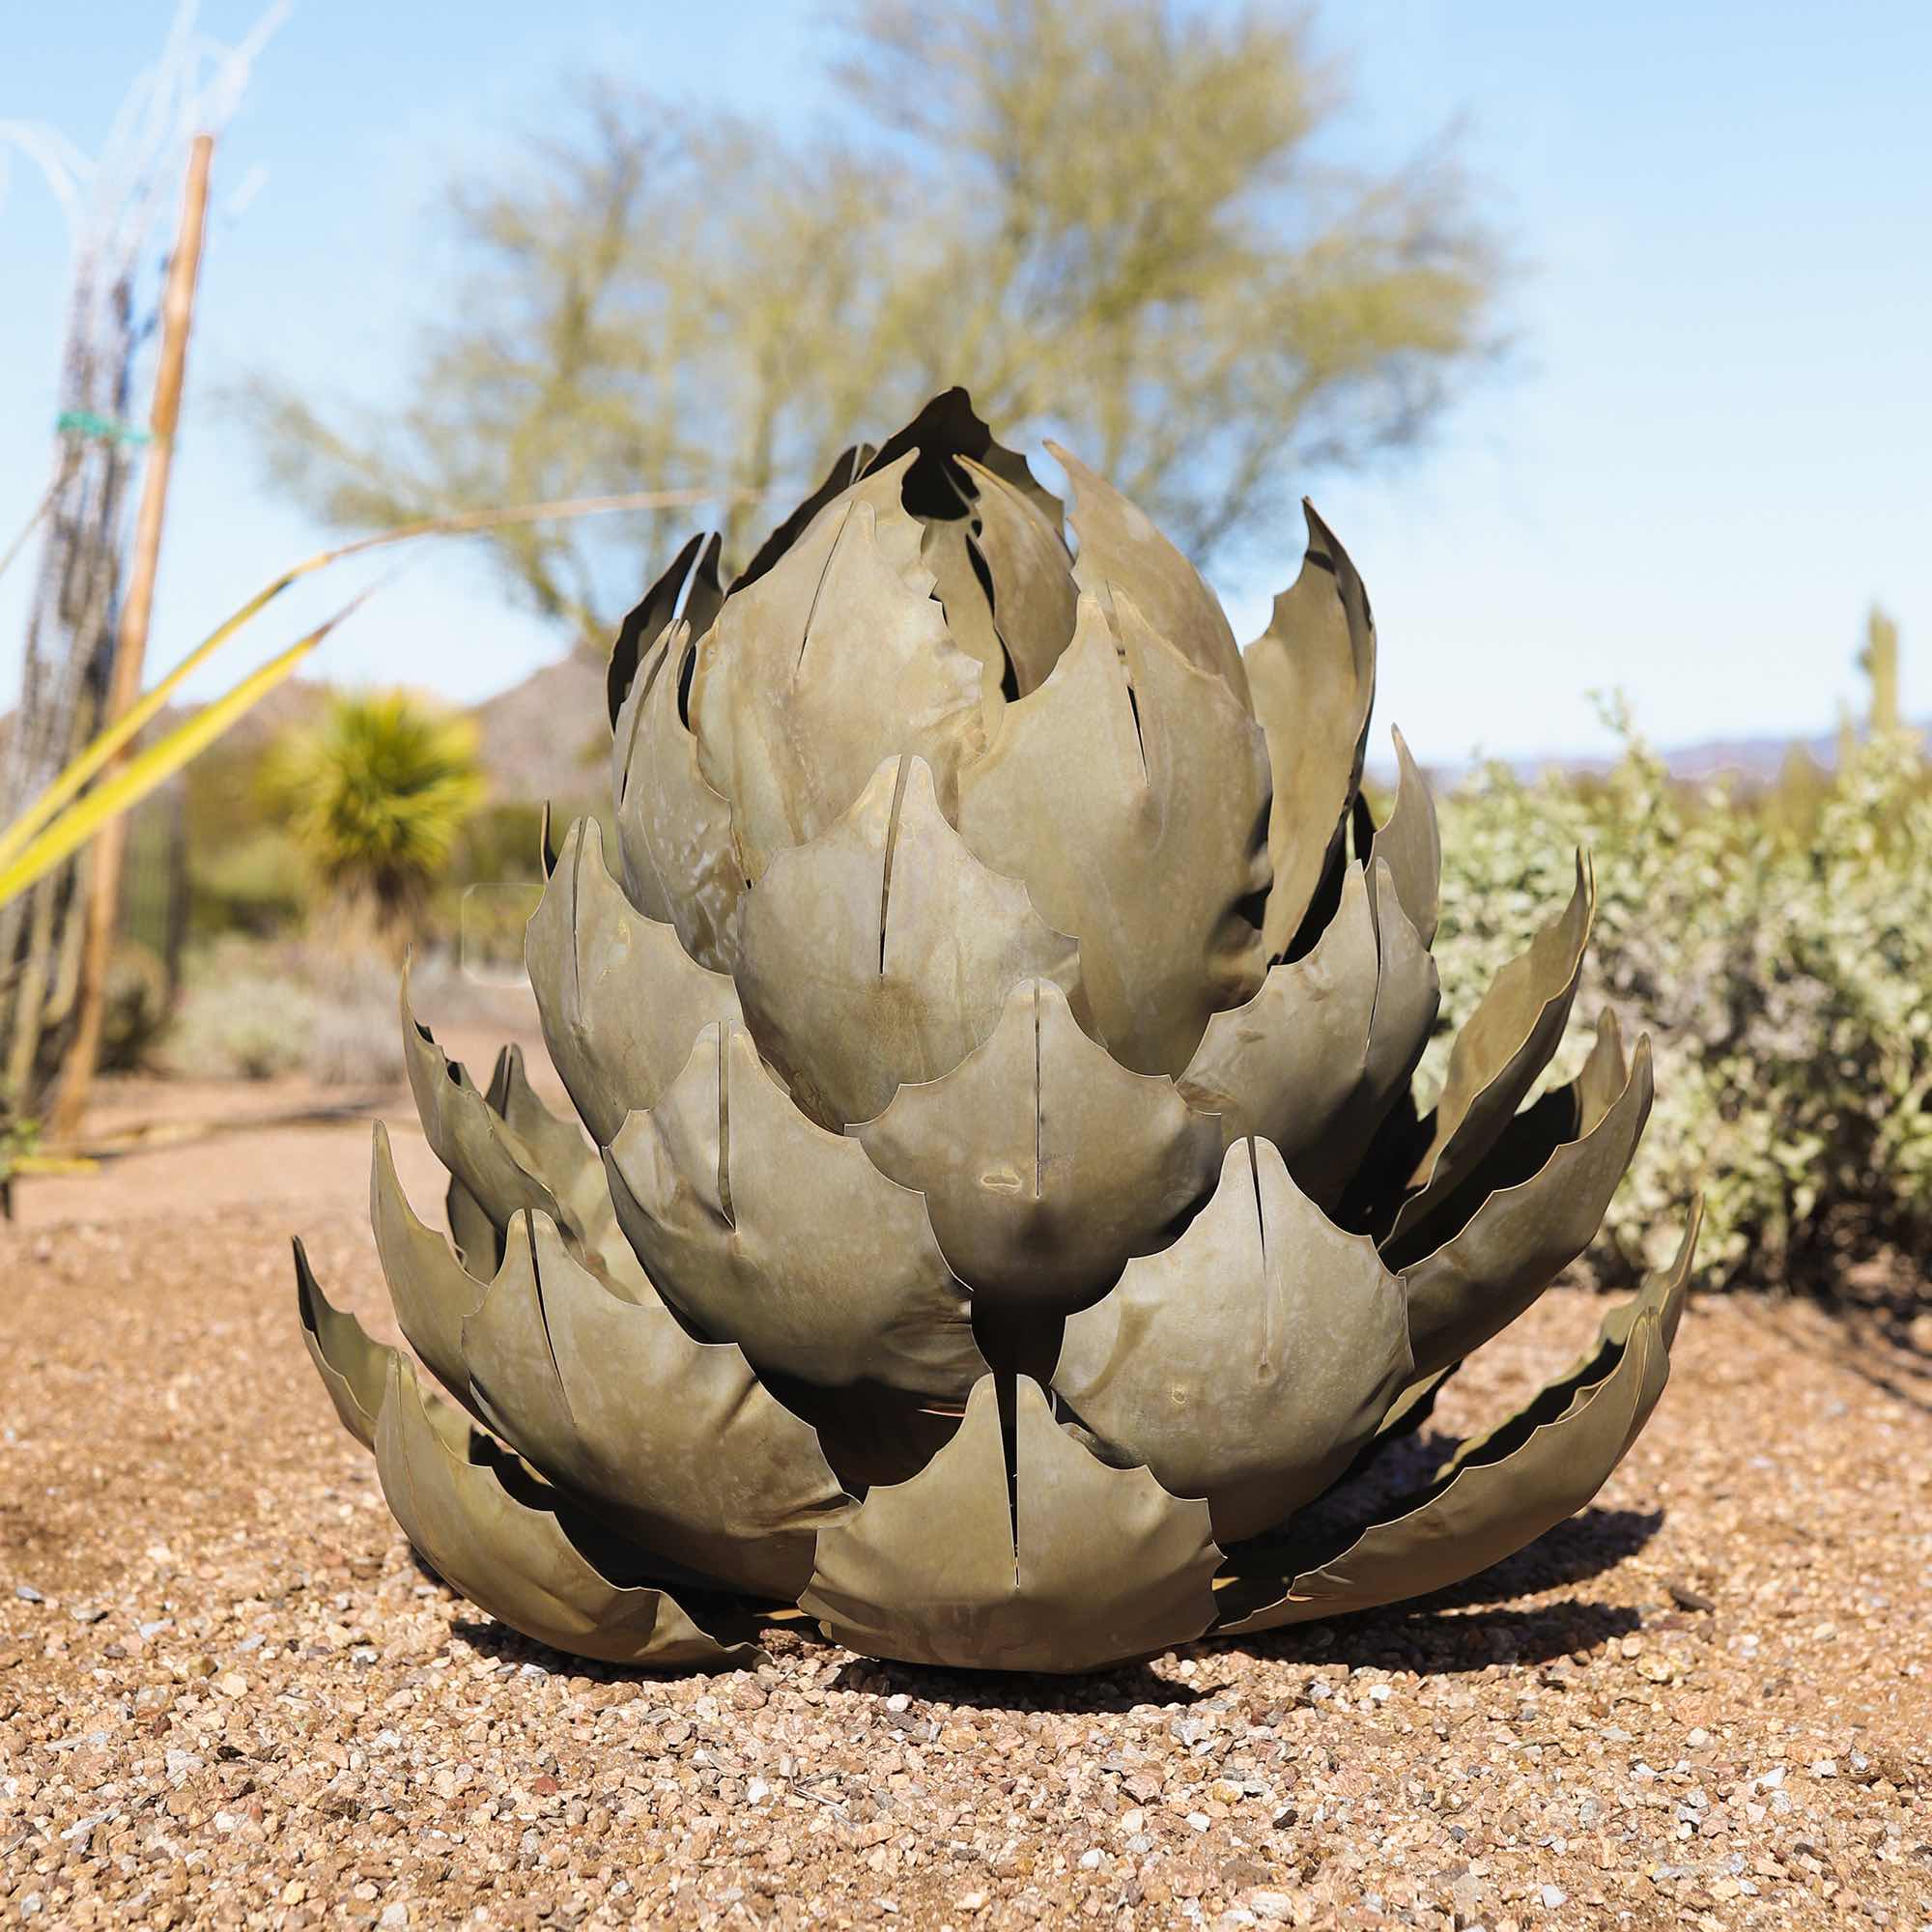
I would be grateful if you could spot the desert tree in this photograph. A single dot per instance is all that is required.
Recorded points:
(1119, 222)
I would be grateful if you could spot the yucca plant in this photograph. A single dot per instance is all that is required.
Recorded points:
(373, 796)
(1004, 1211)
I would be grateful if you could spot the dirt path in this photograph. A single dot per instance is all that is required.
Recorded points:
(226, 1145)
(228, 1697)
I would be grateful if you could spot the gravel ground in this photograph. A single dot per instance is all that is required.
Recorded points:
(229, 1696)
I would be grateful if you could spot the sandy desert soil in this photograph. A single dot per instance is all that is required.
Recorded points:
(229, 1696)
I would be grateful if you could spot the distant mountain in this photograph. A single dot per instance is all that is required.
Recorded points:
(546, 738)
(1754, 760)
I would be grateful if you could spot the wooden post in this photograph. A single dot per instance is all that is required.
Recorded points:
(104, 883)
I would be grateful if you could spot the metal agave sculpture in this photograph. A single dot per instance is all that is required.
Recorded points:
(1007, 1213)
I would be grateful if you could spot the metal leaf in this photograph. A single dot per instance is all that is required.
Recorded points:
(1407, 1000)
(1523, 1236)
(883, 951)
(648, 620)
(620, 999)
(429, 1287)
(1034, 599)
(1044, 1163)
(669, 1439)
(1312, 675)
(834, 660)
(352, 1366)
(1126, 766)
(514, 1558)
(1088, 1566)
(1287, 1065)
(947, 551)
(509, 1151)
(1505, 1490)
(1412, 844)
(847, 467)
(674, 829)
(1502, 1047)
(760, 1225)
(1122, 552)
(1248, 1362)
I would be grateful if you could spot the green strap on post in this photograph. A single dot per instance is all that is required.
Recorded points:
(84, 422)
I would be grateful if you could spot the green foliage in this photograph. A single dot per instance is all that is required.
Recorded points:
(1114, 220)
(375, 796)
(1778, 949)
(502, 841)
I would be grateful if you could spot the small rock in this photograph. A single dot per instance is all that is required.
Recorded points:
(1825, 1767)
(87, 1614)
(972, 1901)
(1199, 1820)
(1089, 1860)
(1553, 1895)
(233, 1685)
(27, 1594)
(294, 1892)
(1271, 1908)
(1132, 1821)
(394, 1915)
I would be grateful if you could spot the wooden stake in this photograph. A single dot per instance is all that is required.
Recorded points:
(103, 884)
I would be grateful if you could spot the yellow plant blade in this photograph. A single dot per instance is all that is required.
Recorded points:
(104, 748)
(76, 826)
(50, 1165)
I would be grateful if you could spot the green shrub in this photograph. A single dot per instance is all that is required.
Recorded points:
(1779, 952)
(375, 795)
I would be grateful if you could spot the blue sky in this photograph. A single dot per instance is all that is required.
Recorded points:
(1705, 457)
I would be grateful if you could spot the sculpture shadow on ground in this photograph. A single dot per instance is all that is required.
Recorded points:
(1458, 1631)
